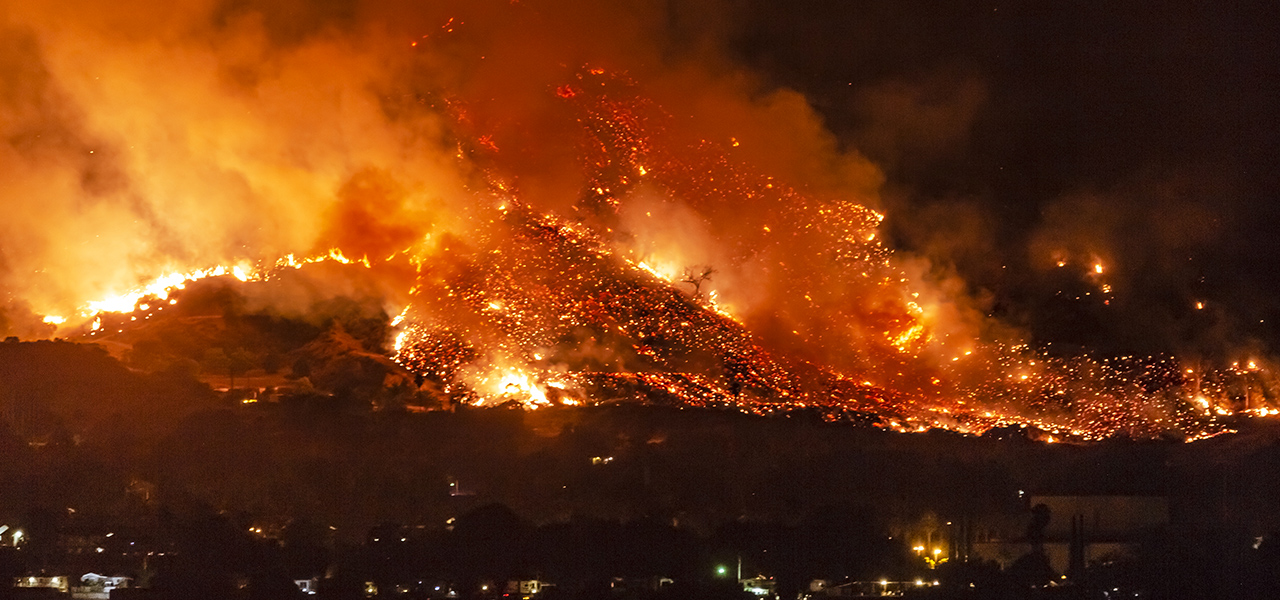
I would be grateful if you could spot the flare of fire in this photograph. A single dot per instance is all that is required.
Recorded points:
(163, 286)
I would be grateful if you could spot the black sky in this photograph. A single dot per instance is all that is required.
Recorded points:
(1163, 115)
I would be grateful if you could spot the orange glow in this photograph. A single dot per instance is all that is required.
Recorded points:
(561, 233)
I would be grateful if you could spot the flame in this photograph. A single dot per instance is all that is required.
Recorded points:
(163, 286)
(528, 387)
(904, 340)
(666, 272)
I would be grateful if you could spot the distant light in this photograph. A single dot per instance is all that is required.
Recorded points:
(722, 570)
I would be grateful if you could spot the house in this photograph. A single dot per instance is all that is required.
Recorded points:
(98, 587)
(527, 588)
(59, 583)
(308, 586)
(759, 586)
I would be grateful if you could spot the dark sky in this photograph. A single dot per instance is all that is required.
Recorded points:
(1145, 133)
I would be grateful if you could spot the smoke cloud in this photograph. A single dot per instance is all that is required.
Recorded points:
(143, 140)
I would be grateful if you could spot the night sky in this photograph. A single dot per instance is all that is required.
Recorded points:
(1149, 131)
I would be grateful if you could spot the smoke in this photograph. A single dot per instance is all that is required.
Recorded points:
(141, 140)
(144, 141)
(916, 124)
(1146, 241)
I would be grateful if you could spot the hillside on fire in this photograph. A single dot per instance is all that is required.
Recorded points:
(489, 203)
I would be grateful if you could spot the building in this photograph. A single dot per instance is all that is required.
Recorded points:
(527, 588)
(59, 583)
(759, 586)
(98, 587)
(308, 586)
(1097, 529)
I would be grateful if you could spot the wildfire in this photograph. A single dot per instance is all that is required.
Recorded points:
(538, 309)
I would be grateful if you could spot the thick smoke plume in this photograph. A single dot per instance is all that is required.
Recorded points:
(492, 163)
(142, 140)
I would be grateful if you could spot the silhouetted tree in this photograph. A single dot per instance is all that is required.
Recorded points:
(696, 276)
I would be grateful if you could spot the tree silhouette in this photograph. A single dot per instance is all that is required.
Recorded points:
(696, 276)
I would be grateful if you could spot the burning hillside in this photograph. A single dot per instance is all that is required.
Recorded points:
(622, 230)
